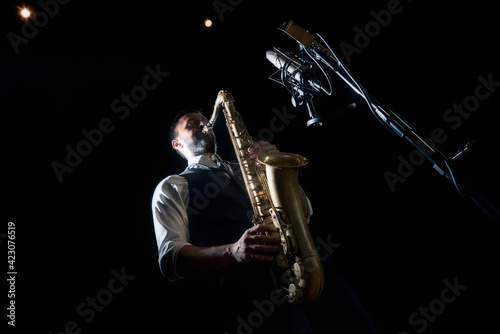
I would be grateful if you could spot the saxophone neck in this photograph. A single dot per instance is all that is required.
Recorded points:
(223, 97)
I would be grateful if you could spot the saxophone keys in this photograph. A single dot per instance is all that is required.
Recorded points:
(295, 292)
(282, 260)
(298, 270)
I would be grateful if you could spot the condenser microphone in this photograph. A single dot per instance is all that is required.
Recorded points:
(294, 68)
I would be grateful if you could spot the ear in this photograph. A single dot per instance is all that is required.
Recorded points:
(176, 144)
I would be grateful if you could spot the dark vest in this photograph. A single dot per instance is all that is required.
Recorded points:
(219, 208)
(219, 213)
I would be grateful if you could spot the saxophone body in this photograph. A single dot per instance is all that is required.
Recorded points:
(274, 192)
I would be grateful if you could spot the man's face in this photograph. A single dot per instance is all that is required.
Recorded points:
(191, 138)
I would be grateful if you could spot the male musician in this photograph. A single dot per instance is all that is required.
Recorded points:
(202, 221)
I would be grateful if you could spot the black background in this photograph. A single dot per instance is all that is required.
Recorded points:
(396, 247)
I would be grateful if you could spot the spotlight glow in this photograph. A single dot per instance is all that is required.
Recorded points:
(24, 12)
(208, 23)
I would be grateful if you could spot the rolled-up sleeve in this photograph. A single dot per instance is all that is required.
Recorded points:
(169, 208)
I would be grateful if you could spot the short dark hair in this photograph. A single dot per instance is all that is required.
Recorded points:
(185, 111)
(173, 127)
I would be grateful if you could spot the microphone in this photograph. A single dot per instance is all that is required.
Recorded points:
(295, 69)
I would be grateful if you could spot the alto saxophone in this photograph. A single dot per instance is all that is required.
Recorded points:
(273, 189)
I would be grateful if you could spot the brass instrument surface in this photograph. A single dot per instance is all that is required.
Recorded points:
(274, 192)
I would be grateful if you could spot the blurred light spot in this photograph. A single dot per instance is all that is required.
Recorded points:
(24, 12)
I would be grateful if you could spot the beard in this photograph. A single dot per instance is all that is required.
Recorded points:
(202, 143)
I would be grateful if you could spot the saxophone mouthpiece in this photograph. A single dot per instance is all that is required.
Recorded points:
(208, 127)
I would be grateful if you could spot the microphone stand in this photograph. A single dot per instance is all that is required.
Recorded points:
(388, 118)
(439, 162)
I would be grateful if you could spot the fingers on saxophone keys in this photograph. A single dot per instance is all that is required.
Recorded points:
(265, 146)
(261, 228)
(260, 257)
(264, 240)
(262, 252)
(260, 147)
(253, 152)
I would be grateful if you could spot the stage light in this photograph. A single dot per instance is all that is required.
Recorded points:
(208, 23)
(24, 12)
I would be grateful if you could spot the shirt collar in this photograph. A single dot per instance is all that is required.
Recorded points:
(206, 160)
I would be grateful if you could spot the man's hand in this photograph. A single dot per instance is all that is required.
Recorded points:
(260, 147)
(254, 244)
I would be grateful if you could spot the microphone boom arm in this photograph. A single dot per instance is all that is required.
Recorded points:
(388, 118)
